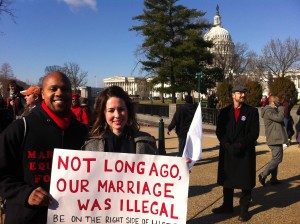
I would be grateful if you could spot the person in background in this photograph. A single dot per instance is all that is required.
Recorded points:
(116, 128)
(5, 118)
(33, 97)
(211, 100)
(2, 102)
(264, 101)
(276, 135)
(26, 151)
(181, 121)
(14, 102)
(298, 127)
(269, 95)
(84, 104)
(237, 130)
(80, 113)
(288, 120)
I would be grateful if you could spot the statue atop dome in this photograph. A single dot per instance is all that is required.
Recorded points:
(217, 18)
(223, 47)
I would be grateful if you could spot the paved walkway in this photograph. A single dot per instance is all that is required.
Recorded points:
(271, 204)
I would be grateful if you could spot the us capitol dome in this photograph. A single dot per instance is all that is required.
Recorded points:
(220, 37)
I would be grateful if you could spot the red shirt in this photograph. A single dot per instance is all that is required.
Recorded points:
(237, 113)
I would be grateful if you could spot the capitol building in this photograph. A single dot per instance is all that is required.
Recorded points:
(223, 50)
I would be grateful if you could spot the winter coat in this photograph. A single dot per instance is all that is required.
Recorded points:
(142, 143)
(274, 127)
(237, 159)
(182, 119)
(25, 162)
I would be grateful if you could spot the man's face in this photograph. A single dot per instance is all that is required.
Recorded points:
(239, 97)
(276, 101)
(75, 102)
(57, 93)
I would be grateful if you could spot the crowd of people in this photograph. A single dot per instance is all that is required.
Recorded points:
(20, 102)
(59, 121)
(41, 119)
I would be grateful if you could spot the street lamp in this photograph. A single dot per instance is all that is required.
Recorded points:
(199, 75)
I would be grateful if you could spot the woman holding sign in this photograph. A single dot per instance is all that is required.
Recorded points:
(116, 128)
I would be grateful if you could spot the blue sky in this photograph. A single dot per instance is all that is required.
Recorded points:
(95, 33)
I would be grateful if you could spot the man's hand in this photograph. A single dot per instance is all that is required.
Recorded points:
(188, 161)
(235, 148)
(39, 197)
(12, 103)
(226, 145)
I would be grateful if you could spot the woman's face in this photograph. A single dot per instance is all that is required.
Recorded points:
(116, 114)
(31, 100)
(12, 87)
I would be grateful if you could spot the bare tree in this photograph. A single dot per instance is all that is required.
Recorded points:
(72, 70)
(5, 8)
(54, 68)
(245, 65)
(241, 58)
(50, 69)
(279, 57)
(76, 76)
(235, 61)
(6, 73)
(223, 56)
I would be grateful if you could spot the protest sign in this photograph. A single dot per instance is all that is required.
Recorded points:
(100, 187)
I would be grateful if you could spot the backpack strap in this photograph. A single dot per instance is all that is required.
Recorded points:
(25, 130)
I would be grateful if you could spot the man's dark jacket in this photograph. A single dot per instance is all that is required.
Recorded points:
(25, 165)
(182, 119)
(237, 160)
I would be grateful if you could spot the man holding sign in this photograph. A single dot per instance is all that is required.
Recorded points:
(26, 151)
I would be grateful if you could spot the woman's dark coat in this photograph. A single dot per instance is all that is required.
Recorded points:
(237, 160)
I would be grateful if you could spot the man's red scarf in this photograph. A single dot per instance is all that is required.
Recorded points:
(62, 121)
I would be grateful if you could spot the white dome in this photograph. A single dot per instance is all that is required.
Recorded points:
(217, 33)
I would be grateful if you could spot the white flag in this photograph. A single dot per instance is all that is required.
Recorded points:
(193, 145)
